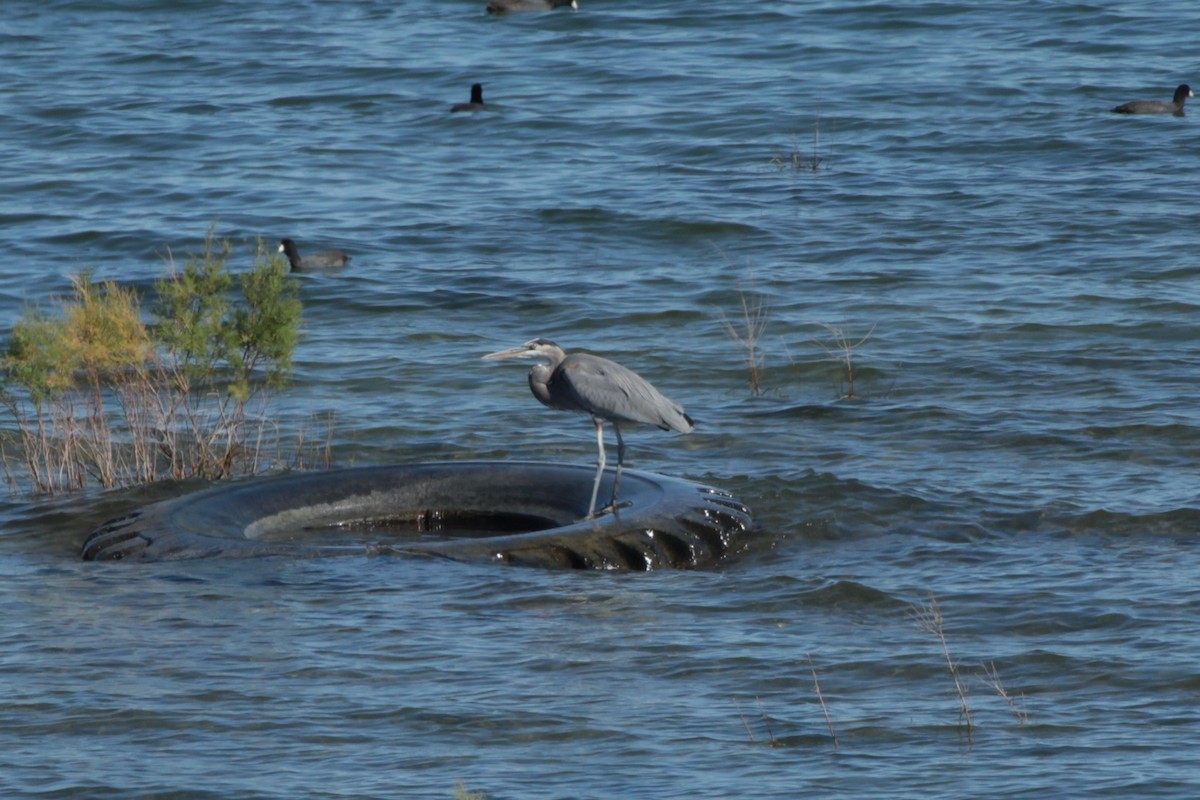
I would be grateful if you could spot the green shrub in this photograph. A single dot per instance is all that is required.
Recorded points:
(98, 394)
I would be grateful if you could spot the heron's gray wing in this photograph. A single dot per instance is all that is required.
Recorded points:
(610, 391)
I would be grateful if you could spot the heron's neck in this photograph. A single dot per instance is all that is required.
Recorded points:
(539, 378)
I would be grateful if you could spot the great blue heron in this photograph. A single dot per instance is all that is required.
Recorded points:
(601, 388)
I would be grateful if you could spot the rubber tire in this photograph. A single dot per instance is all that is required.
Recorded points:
(516, 513)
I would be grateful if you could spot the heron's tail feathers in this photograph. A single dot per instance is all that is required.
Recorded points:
(678, 422)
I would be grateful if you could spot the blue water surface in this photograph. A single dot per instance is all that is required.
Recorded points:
(940, 185)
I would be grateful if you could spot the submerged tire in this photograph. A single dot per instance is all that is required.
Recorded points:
(507, 512)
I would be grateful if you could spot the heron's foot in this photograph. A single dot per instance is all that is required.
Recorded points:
(608, 509)
(613, 508)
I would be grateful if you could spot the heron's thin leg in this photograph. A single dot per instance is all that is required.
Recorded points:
(600, 462)
(612, 503)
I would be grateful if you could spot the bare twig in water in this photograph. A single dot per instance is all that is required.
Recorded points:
(745, 722)
(797, 161)
(930, 619)
(751, 328)
(762, 715)
(821, 697)
(1017, 704)
(316, 453)
(766, 724)
(842, 351)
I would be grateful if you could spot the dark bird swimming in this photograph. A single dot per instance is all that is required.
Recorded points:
(505, 6)
(330, 259)
(1182, 93)
(476, 103)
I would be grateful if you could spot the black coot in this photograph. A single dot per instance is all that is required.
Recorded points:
(504, 6)
(1156, 107)
(476, 103)
(330, 259)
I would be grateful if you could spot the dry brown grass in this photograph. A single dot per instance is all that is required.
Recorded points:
(766, 723)
(821, 698)
(930, 619)
(748, 332)
(1016, 704)
(796, 160)
(842, 350)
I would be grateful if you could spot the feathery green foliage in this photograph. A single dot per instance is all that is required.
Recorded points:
(98, 394)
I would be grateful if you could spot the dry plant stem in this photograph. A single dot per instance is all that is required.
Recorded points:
(821, 698)
(930, 618)
(301, 449)
(795, 160)
(843, 352)
(328, 453)
(317, 453)
(745, 722)
(766, 723)
(753, 325)
(993, 680)
(816, 159)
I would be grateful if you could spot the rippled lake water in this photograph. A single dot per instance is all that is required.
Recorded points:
(1019, 266)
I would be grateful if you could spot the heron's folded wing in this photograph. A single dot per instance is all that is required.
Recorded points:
(610, 391)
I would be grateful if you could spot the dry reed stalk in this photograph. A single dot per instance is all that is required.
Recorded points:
(752, 326)
(766, 723)
(316, 452)
(993, 680)
(821, 698)
(842, 351)
(328, 451)
(930, 618)
(745, 722)
(795, 160)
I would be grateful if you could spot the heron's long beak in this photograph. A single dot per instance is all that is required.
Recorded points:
(516, 352)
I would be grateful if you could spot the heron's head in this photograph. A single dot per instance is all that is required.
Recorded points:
(534, 348)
